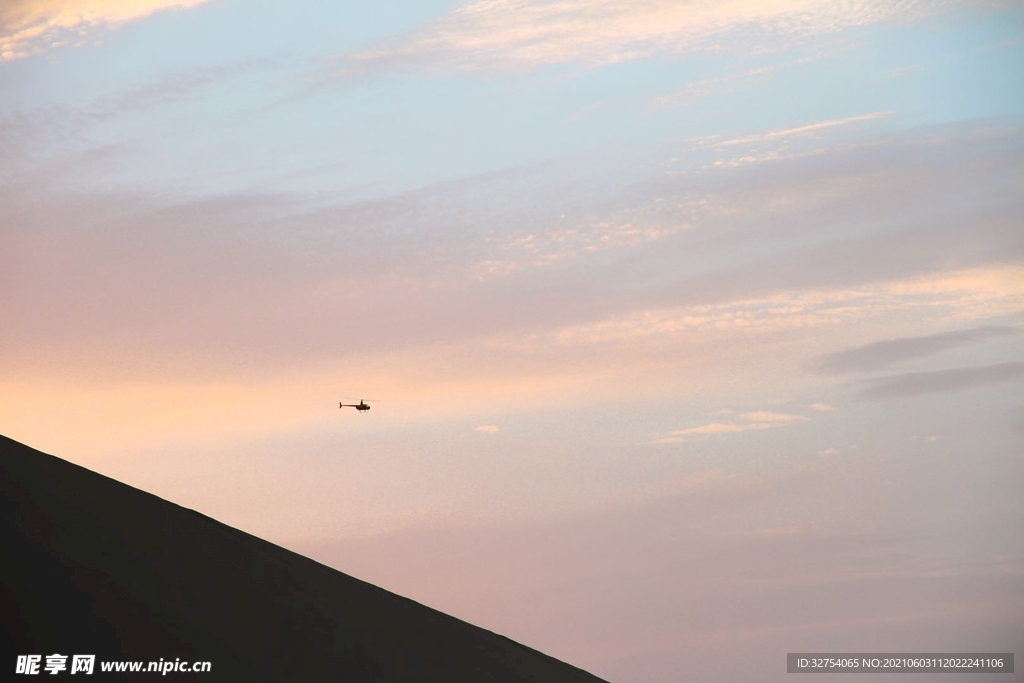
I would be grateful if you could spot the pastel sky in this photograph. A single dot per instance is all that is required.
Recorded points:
(696, 328)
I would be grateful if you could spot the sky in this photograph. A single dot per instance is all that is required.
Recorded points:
(695, 329)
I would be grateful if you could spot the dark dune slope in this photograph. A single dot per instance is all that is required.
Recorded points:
(92, 566)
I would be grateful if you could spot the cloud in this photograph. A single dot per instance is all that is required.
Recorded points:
(720, 428)
(223, 284)
(756, 420)
(893, 351)
(806, 129)
(965, 294)
(822, 407)
(680, 435)
(488, 429)
(53, 126)
(753, 421)
(941, 381)
(872, 186)
(30, 27)
(767, 416)
(526, 34)
(828, 452)
(703, 87)
(736, 80)
(785, 144)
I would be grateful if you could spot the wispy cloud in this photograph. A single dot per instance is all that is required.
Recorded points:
(29, 27)
(786, 143)
(703, 87)
(55, 125)
(822, 407)
(680, 435)
(682, 207)
(967, 294)
(806, 129)
(227, 294)
(941, 381)
(525, 34)
(752, 421)
(729, 82)
(768, 416)
(488, 429)
(892, 351)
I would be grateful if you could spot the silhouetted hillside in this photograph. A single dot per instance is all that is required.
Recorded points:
(92, 566)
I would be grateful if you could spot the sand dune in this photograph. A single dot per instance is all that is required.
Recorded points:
(93, 566)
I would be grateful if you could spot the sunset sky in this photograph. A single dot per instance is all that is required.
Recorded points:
(696, 328)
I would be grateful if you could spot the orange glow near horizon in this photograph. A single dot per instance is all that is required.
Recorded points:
(603, 364)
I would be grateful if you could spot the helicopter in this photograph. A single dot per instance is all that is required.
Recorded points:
(361, 406)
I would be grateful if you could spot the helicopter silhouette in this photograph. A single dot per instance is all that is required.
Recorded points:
(361, 406)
